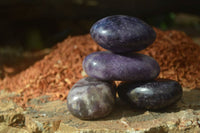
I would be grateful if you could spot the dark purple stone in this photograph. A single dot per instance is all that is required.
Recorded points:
(122, 34)
(106, 65)
(150, 95)
(90, 98)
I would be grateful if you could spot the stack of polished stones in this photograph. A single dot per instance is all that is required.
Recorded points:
(94, 97)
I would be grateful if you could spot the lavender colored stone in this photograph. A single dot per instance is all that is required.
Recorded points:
(90, 98)
(122, 34)
(150, 95)
(106, 65)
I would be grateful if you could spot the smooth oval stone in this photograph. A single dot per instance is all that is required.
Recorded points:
(150, 95)
(90, 98)
(106, 65)
(122, 34)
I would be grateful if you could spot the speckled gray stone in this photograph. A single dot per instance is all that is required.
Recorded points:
(122, 34)
(106, 65)
(90, 98)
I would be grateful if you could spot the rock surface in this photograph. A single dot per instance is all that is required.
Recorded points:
(55, 117)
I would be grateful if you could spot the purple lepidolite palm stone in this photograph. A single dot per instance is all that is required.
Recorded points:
(122, 34)
(91, 98)
(106, 65)
(153, 95)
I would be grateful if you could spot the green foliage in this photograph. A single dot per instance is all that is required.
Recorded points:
(34, 40)
(163, 21)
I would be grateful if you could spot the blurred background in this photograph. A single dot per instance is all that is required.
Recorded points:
(30, 27)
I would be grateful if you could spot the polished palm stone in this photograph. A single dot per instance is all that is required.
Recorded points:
(150, 95)
(106, 65)
(91, 99)
(122, 34)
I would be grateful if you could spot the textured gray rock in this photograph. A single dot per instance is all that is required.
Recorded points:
(55, 117)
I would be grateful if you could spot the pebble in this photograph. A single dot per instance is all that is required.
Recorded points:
(122, 34)
(106, 65)
(91, 98)
(151, 95)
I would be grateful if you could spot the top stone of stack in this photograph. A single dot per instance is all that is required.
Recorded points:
(122, 34)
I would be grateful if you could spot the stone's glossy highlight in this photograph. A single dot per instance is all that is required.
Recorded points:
(150, 95)
(90, 98)
(122, 34)
(106, 65)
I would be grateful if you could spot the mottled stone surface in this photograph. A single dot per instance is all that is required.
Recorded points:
(106, 65)
(122, 34)
(152, 95)
(91, 98)
(55, 117)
